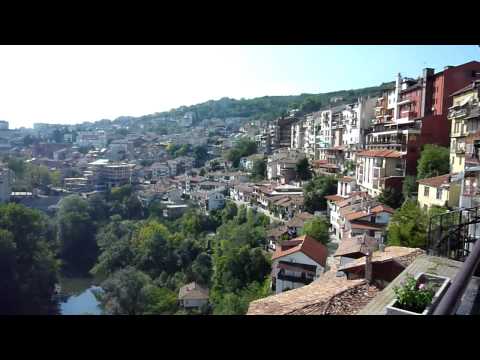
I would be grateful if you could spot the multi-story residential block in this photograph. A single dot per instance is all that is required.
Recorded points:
(438, 191)
(461, 116)
(97, 139)
(160, 170)
(3, 125)
(379, 169)
(420, 112)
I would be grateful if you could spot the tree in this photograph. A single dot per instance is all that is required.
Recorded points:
(315, 191)
(76, 234)
(202, 172)
(200, 153)
(391, 197)
(126, 292)
(28, 268)
(303, 169)
(408, 226)
(317, 228)
(434, 161)
(259, 169)
(202, 269)
(409, 187)
(237, 303)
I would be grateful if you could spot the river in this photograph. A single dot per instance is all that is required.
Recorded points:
(78, 298)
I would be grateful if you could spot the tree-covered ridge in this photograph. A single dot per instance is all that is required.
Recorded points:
(264, 108)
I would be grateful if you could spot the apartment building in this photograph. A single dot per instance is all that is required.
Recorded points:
(379, 169)
(420, 111)
(97, 139)
(462, 123)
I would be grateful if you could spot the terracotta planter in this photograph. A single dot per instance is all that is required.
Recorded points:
(442, 283)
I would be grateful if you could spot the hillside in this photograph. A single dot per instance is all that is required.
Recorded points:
(263, 108)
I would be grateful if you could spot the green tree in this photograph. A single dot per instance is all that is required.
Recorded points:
(202, 172)
(126, 292)
(434, 161)
(76, 234)
(409, 187)
(237, 303)
(318, 229)
(408, 226)
(200, 153)
(391, 197)
(259, 170)
(303, 169)
(315, 191)
(28, 267)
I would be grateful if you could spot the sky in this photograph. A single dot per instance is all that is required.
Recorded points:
(71, 84)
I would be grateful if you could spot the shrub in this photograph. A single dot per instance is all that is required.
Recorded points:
(413, 297)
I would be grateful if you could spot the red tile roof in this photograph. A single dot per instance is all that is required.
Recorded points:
(436, 181)
(305, 244)
(380, 153)
(382, 208)
(347, 179)
(334, 198)
(366, 226)
(356, 215)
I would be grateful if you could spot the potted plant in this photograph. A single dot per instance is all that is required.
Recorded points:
(418, 295)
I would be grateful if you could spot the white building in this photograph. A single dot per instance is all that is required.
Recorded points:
(215, 200)
(160, 170)
(297, 262)
(193, 296)
(97, 139)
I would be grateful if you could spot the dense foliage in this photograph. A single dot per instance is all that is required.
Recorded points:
(28, 267)
(243, 147)
(408, 226)
(434, 161)
(318, 229)
(315, 191)
(259, 170)
(303, 169)
(391, 197)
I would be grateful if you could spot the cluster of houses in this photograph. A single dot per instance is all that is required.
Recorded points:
(370, 146)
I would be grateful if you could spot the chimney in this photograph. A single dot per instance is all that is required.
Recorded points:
(368, 266)
(381, 245)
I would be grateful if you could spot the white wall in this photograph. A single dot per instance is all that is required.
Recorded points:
(299, 258)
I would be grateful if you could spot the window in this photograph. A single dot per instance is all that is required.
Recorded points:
(426, 190)
(439, 194)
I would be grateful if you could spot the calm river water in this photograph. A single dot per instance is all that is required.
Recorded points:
(78, 298)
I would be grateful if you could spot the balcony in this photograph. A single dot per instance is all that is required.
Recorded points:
(458, 112)
(295, 279)
(405, 101)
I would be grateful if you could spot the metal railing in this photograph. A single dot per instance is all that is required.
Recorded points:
(449, 303)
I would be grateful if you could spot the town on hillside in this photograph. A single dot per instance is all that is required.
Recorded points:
(331, 211)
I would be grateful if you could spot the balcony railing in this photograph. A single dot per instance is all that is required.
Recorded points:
(297, 279)
(450, 302)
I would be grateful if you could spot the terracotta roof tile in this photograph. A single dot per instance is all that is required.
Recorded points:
(305, 244)
(436, 181)
(389, 253)
(381, 153)
(311, 299)
(334, 198)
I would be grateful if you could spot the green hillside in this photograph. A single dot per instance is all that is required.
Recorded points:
(263, 108)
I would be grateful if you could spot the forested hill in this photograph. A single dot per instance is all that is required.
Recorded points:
(262, 108)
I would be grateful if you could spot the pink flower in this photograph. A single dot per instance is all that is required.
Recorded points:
(421, 286)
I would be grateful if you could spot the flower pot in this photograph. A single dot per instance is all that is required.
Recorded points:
(440, 282)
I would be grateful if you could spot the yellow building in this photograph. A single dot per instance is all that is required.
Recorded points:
(438, 191)
(458, 115)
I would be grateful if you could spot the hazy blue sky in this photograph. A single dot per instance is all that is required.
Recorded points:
(70, 84)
